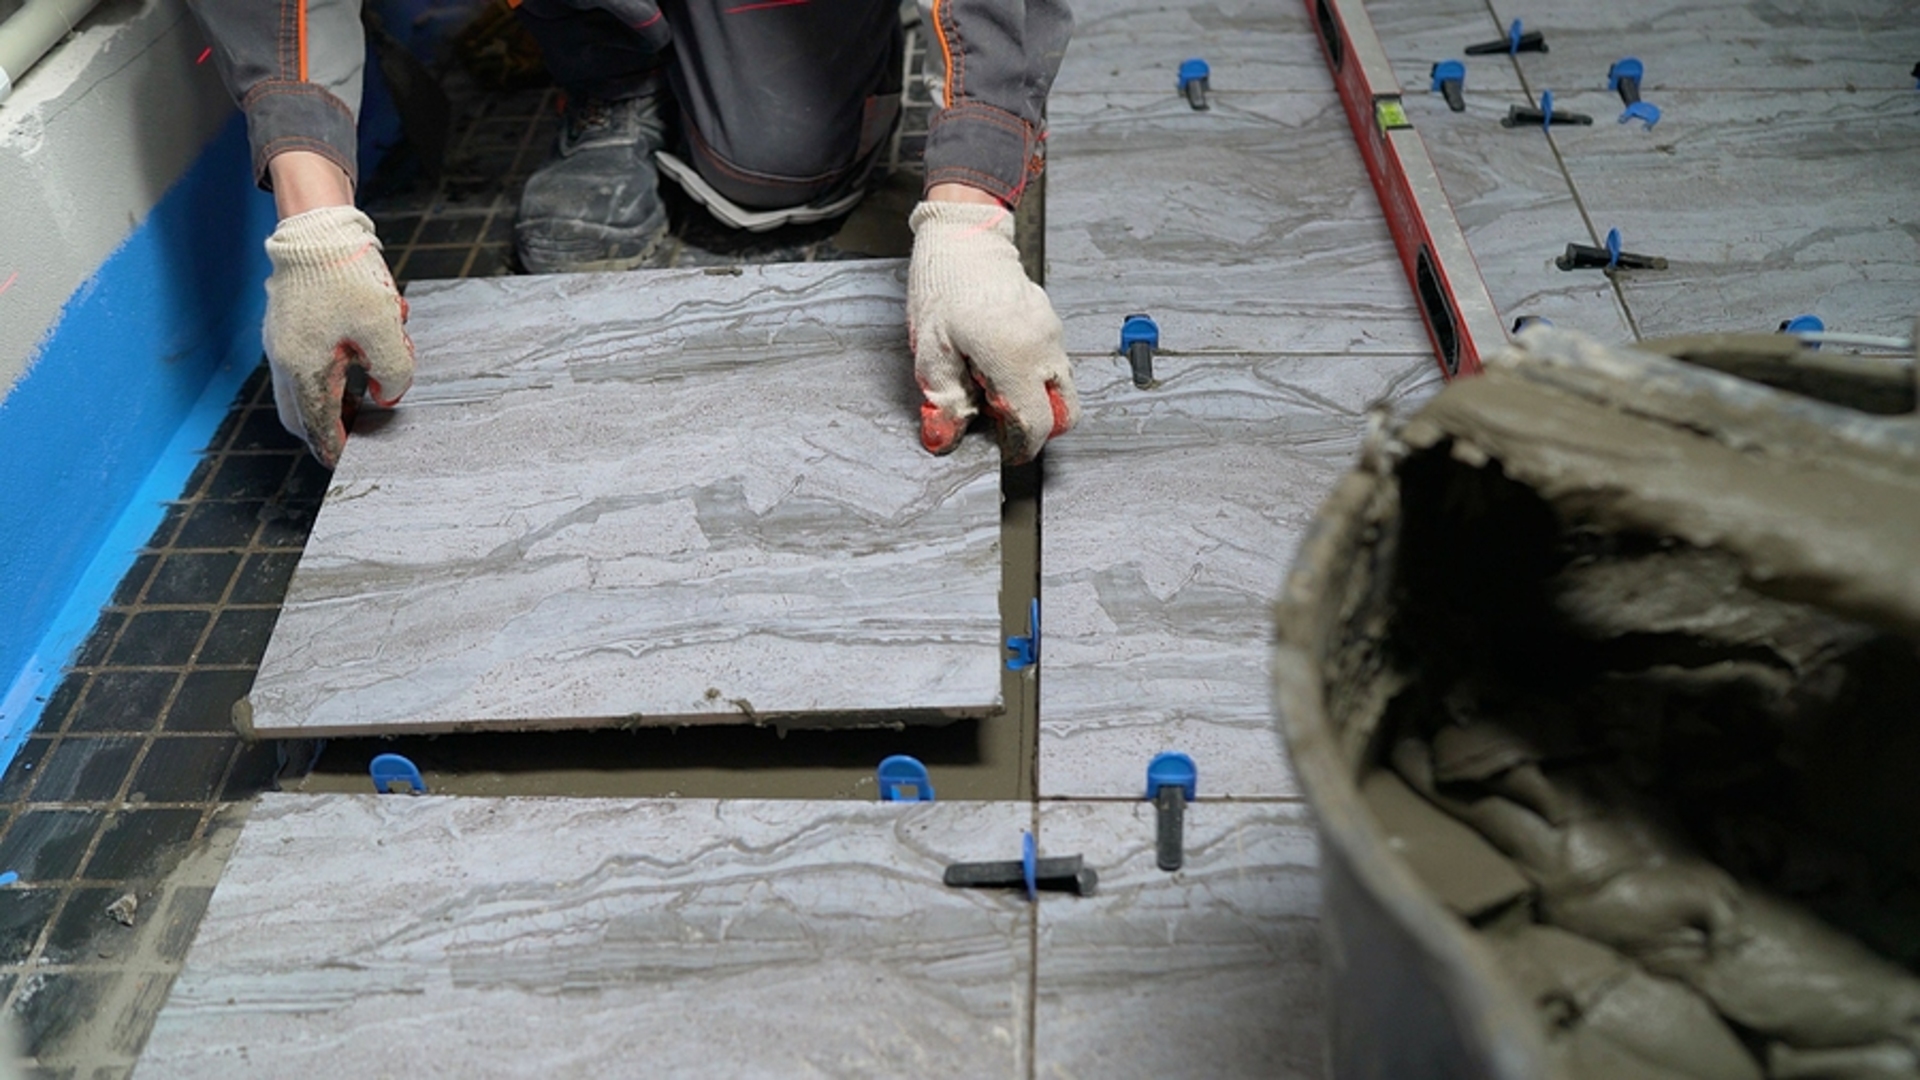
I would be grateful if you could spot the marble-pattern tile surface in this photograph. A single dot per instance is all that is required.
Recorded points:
(671, 497)
(1170, 517)
(1518, 211)
(1137, 46)
(1419, 33)
(1769, 205)
(1247, 228)
(1211, 971)
(1721, 44)
(385, 935)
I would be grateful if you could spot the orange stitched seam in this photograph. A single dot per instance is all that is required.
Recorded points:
(296, 90)
(989, 115)
(946, 52)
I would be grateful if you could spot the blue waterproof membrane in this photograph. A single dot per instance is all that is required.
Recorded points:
(105, 425)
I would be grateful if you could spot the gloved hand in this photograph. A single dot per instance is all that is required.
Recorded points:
(331, 305)
(982, 333)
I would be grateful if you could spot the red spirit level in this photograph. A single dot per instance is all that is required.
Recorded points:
(1459, 313)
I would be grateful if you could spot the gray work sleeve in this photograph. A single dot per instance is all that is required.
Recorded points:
(996, 60)
(295, 67)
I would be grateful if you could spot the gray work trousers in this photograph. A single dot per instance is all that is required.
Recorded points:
(781, 102)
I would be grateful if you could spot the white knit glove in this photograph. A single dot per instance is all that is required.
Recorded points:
(982, 333)
(331, 305)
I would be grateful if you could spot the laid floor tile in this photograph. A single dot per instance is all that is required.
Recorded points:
(158, 638)
(1213, 970)
(183, 768)
(138, 844)
(249, 476)
(718, 938)
(647, 498)
(1170, 517)
(1768, 206)
(86, 769)
(47, 845)
(1247, 228)
(263, 578)
(24, 768)
(1138, 46)
(1722, 44)
(192, 578)
(85, 932)
(59, 705)
(23, 914)
(1518, 212)
(123, 701)
(219, 524)
(205, 701)
(99, 643)
(239, 636)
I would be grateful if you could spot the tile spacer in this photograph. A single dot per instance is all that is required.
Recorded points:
(1515, 43)
(1026, 648)
(1139, 337)
(1448, 77)
(1623, 78)
(1195, 80)
(1172, 783)
(904, 779)
(390, 769)
(1034, 875)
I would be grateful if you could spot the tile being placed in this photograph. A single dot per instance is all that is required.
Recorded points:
(1768, 206)
(1214, 970)
(1721, 44)
(1251, 227)
(1137, 46)
(577, 937)
(1169, 519)
(669, 497)
(1518, 212)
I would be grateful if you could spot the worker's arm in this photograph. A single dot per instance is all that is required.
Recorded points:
(295, 68)
(983, 335)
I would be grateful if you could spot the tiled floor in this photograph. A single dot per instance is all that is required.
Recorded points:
(122, 784)
(121, 789)
(123, 780)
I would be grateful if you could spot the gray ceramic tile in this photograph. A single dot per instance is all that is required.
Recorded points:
(1769, 206)
(1138, 45)
(1722, 44)
(1170, 517)
(1248, 228)
(1518, 212)
(670, 497)
(1211, 971)
(374, 935)
(1419, 33)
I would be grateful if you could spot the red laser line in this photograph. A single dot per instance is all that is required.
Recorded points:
(204, 53)
(8, 284)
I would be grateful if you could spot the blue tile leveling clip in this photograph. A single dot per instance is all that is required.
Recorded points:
(1194, 80)
(904, 779)
(1623, 78)
(1139, 337)
(1172, 783)
(390, 769)
(1449, 77)
(1026, 649)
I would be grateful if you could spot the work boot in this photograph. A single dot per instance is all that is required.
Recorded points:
(596, 204)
